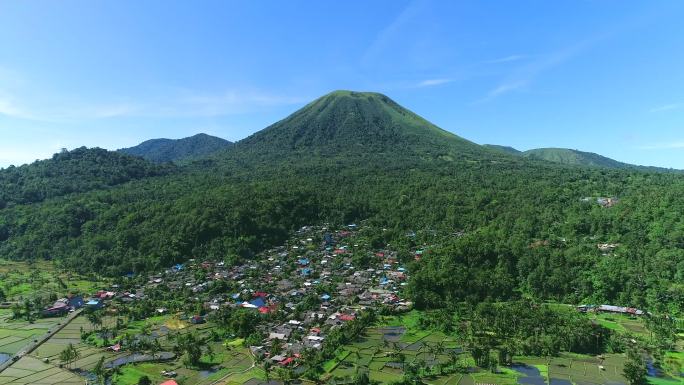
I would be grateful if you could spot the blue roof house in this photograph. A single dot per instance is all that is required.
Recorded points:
(258, 302)
(95, 304)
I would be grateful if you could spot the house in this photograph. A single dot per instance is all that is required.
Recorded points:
(303, 261)
(75, 302)
(620, 310)
(169, 382)
(196, 320)
(258, 302)
(59, 308)
(278, 358)
(277, 336)
(115, 348)
(94, 304)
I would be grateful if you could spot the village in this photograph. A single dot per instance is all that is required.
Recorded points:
(318, 281)
(278, 314)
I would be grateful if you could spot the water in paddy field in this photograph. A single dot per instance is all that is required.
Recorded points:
(533, 377)
(4, 357)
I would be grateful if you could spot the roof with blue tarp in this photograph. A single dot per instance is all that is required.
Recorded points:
(258, 302)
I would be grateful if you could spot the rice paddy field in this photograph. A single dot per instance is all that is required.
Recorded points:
(16, 334)
(230, 364)
(374, 352)
(30, 370)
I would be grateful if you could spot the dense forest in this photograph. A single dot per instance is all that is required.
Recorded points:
(495, 226)
(75, 171)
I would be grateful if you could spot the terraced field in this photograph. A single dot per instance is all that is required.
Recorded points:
(16, 334)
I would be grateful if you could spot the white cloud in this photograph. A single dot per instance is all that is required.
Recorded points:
(666, 107)
(505, 88)
(663, 146)
(18, 154)
(526, 74)
(507, 59)
(434, 82)
(8, 108)
(176, 103)
(231, 101)
(375, 49)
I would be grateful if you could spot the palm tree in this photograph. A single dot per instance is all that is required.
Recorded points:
(95, 319)
(99, 370)
(154, 348)
(69, 355)
(267, 370)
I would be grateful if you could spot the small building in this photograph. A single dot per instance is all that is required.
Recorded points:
(75, 302)
(94, 304)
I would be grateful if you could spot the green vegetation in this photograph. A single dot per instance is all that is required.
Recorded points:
(170, 150)
(505, 149)
(70, 172)
(573, 157)
(526, 233)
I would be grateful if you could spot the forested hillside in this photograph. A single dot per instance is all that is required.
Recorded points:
(173, 150)
(504, 149)
(495, 226)
(70, 172)
(574, 157)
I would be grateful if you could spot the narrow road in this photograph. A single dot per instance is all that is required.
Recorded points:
(28, 349)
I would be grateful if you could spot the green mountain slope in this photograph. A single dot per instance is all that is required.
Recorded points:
(173, 150)
(504, 149)
(352, 123)
(75, 171)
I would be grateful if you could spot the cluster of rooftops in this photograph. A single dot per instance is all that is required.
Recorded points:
(610, 309)
(313, 282)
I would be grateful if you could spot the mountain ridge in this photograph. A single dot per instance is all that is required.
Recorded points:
(175, 150)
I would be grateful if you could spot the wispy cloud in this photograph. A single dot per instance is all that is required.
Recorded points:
(506, 87)
(10, 109)
(176, 103)
(18, 154)
(434, 82)
(526, 74)
(667, 107)
(507, 59)
(228, 102)
(385, 36)
(502, 89)
(663, 146)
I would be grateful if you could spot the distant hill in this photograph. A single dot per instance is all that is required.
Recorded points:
(173, 150)
(504, 149)
(574, 157)
(79, 170)
(570, 157)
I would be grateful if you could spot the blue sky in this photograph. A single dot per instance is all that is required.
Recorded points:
(601, 76)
